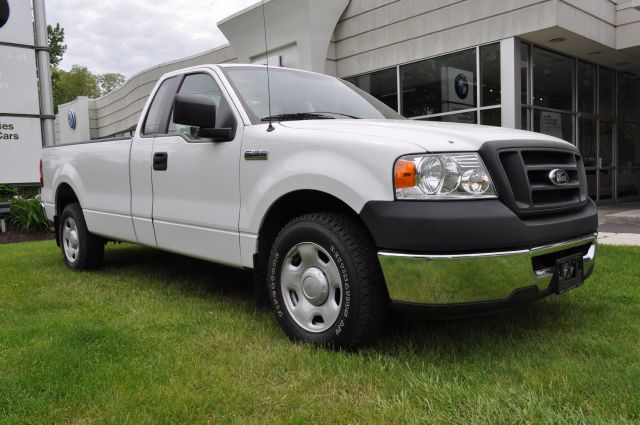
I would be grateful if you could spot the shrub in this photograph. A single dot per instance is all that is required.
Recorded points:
(7, 192)
(27, 215)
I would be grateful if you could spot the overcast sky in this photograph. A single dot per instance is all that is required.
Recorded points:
(128, 36)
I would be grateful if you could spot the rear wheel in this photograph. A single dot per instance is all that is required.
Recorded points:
(81, 250)
(325, 282)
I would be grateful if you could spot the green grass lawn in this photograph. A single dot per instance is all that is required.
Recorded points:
(159, 338)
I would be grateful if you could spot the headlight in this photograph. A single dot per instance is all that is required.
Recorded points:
(442, 176)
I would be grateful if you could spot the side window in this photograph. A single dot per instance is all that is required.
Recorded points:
(196, 84)
(155, 113)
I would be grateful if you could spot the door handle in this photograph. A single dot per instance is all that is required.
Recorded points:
(160, 160)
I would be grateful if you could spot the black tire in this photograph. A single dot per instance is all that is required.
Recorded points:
(89, 251)
(364, 303)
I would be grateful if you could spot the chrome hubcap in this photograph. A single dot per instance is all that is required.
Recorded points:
(311, 287)
(70, 241)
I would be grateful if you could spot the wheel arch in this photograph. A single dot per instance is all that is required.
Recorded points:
(289, 206)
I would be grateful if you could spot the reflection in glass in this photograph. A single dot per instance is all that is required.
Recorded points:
(606, 184)
(490, 73)
(586, 88)
(628, 145)
(491, 117)
(554, 124)
(607, 92)
(464, 117)
(524, 74)
(606, 144)
(381, 84)
(628, 179)
(525, 119)
(628, 98)
(552, 80)
(442, 84)
(588, 141)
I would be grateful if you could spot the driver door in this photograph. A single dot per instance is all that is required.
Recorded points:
(195, 180)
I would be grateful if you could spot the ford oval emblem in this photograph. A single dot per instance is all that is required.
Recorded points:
(4, 12)
(71, 117)
(461, 86)
(558, 177)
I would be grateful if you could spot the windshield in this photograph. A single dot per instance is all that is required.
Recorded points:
(297, 95)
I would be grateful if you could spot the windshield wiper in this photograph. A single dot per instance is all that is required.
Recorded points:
(298, 116)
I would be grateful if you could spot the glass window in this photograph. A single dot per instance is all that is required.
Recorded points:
(629, 98)
(442, 84)
(628, 179)
(490, 74)
(297, 95)
(196, 84)
(524, 74)
(383, 85)
(628, 145)
(554, 124)
(587, 143)
(525, 119)
(606, 184)
(491, 117)
(552, 80)
(586, 88)
(157, 108)
(463, 117)
(606, 144)
(607, 93)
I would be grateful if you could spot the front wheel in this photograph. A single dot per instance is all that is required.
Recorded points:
(325, 282)
(81, 249)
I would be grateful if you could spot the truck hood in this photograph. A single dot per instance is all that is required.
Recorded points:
(428, 135)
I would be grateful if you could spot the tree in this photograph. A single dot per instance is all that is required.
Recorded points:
(110, 81)
(79, 81)
(57, 47)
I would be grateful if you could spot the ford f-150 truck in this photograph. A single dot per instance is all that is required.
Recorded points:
(341, 207)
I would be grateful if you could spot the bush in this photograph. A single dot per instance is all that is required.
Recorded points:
(27, 215)
(7, 192)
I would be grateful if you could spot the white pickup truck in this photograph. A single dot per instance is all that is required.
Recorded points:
(342, 208)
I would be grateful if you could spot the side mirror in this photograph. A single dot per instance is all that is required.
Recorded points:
(198, 110)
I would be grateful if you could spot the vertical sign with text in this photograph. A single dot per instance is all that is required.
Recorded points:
(20, 128)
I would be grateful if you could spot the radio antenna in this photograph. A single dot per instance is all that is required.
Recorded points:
(266, 56)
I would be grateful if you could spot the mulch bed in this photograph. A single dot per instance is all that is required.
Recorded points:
(13, 236)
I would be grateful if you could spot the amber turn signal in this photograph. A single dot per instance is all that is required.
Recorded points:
(405, 174)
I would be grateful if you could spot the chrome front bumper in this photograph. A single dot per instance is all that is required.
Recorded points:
(480, 277)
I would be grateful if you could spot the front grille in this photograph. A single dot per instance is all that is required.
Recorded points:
(532, 191)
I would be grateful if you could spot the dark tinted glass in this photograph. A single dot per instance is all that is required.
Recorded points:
(442, 84)
(524, 73)
(463, 117)
(606, 143)
(628, 145)
(629, 98)
(383, 85)
(552, 80)
(490, 73)
(491, 117)
(588, 140)
(607, 92)
(586, 88)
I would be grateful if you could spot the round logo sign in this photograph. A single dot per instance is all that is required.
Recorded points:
(461, 86)
(71, 118)
(4, 12)
(558, 177)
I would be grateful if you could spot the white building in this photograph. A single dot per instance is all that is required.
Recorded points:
(563, 67)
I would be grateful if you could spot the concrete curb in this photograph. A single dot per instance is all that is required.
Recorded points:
(627, 239)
